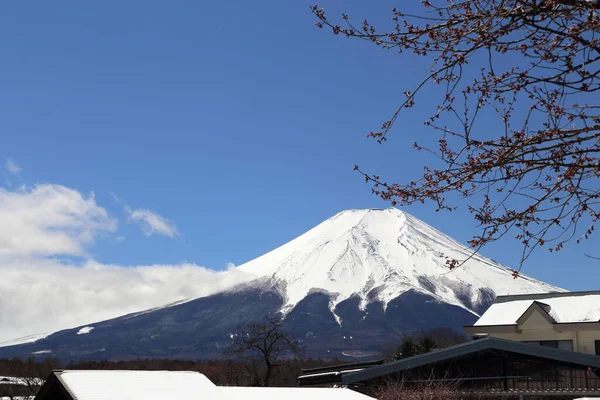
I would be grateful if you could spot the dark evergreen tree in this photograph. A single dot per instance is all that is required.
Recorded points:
(406, 349)
(426, 344)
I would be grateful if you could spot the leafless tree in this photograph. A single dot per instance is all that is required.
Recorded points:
(431, 391)
(431, 386)
(26, 377)
(260, 345)
(517, 124)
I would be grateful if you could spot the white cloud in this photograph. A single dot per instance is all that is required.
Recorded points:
(49, 220)
(42, 292)
(152, 223)
(47, 295)
(12, 167)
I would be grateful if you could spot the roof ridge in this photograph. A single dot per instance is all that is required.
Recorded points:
(62, 371)
(537, 296)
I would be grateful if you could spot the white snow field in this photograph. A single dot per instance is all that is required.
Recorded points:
(85, 330)
(357, 251)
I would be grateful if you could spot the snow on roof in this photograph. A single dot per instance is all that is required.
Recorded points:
(181, 385)
(131, 385)
(17, 398)
(331, 373)
(504, 313)
(564, 308)
(9, 380)
(291, 393)
(16, 380)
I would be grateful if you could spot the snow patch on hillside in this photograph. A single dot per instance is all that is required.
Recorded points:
(42, 352)
(85, 330)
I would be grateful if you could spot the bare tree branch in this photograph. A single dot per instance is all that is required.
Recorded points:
(534, 173)
(259, 345)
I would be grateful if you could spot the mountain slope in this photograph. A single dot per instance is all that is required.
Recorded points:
(379, 254)
(347, 287)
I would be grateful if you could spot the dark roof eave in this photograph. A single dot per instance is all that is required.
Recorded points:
(541, 296)
(342, 367)
(319, 379)
(54, 380)
(585, 360)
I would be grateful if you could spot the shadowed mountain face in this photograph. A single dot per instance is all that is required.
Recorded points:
(349, 286)
(201, 328)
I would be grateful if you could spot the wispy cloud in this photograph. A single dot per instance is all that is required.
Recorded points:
(12, 167)
(151, 223)
(49, 220)
(115, 198)
(75, 295)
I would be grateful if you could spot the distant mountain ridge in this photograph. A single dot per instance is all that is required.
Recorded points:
(345, 287)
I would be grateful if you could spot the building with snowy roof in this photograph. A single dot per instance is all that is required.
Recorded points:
(567, 321)
(484, 369)
(161, 385)
(533, 346)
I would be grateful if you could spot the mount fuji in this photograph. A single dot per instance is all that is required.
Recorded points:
(347, 287)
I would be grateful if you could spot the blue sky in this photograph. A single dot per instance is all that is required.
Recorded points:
(239, 122)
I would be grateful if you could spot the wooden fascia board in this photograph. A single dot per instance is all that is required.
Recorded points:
(486, 329)
(576, 326)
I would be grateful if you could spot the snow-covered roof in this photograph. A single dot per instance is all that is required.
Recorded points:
(181, 385)
(562, 307)
(10, 380)
(17, 398)
(15, 380)
(291, 393)
(331, 373)
(146, 385)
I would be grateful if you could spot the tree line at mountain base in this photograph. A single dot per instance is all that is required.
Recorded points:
(220, 372)
(239, 371)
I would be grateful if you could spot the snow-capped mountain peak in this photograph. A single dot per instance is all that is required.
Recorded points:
(379, 254)
(346, 287)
